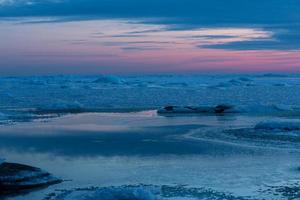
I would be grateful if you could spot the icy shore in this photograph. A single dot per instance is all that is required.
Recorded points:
(29, 98)
(15, 178)
(140, 192)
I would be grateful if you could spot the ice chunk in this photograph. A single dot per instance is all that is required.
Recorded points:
(256, 109)
(222, 108)
(235, 82)
(109, 79)
(281, 125)
(116, 194)
(16, 177)
(273, 75)
(59, 106)
(185, 109)
(245, 79)
(281, 107)
(240, 82)
(139, 192)
(259, 109)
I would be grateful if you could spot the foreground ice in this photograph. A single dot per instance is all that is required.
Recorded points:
(234, 143)
(109, 156)
(15, 178)
(140, 192)
(271, 133)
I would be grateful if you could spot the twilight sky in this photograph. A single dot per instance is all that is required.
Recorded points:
(148, 36)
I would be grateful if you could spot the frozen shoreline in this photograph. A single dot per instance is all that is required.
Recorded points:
(16, 179)
(232, 135)
(28, 98)
(105, 153)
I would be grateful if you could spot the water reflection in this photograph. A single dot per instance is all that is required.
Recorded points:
(135, 134)
(145, 149)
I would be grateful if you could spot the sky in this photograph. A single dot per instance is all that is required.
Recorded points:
(148, 36)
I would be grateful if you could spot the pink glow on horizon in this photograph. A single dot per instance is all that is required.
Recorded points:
(215, 59)
(106, 46)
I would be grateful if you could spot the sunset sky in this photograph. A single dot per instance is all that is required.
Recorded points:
(148, 36)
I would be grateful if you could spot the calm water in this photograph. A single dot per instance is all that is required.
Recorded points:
(115, 149)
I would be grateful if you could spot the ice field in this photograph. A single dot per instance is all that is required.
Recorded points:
(107, 139)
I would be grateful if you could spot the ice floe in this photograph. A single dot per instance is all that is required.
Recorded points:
(17, 177)
(185, 109)
(275, 75)
(74, 94)
(60, 106)
(278, 133)
(139, 192)
(194, 110)
(280, 125)
(227, 108)
(108, 79)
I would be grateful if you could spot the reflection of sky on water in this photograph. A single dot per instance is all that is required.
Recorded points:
(156, 154)
(122, 134)
(114, 135)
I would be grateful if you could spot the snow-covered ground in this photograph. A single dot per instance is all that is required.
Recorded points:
(214, 137)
